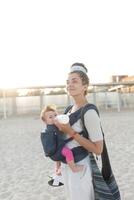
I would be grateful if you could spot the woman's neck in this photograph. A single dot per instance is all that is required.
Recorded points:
(79, 102)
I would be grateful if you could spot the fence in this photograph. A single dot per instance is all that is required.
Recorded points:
(108, 96)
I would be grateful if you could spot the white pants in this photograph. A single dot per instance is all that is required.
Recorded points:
(78, 185)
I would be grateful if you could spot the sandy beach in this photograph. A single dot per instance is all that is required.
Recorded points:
(24, 170)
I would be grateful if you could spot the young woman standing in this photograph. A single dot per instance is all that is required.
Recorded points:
(79, 185)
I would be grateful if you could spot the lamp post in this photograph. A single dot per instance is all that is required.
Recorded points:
(4, 104)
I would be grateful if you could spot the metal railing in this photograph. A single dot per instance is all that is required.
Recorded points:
(106, 96)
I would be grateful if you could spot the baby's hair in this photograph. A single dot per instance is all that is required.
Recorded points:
(47, 109)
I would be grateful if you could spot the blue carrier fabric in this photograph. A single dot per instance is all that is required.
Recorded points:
(53, 141)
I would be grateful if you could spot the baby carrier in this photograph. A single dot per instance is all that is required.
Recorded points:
(53, 141)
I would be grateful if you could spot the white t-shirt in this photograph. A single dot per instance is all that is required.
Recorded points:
(92, 124)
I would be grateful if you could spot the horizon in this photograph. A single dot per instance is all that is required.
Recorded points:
(58, 81)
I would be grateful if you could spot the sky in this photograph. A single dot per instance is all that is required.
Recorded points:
(41, 39)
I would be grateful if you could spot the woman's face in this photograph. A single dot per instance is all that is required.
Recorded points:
(75, 86)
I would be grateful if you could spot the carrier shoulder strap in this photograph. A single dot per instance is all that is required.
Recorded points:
(106, 167)
(68, 108)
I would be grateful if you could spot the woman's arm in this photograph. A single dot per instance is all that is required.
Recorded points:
(95, 147)
(92, 123)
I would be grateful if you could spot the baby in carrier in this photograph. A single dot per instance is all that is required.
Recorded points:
(54, 144)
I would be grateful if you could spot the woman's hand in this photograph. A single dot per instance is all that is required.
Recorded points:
(66, 128)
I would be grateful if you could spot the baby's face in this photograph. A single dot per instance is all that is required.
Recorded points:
(50, 116)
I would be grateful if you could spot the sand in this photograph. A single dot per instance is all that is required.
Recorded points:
(24, 170)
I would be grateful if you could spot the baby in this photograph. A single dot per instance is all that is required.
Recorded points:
(48, 115)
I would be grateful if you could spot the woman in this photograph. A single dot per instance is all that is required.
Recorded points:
(79, 185)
